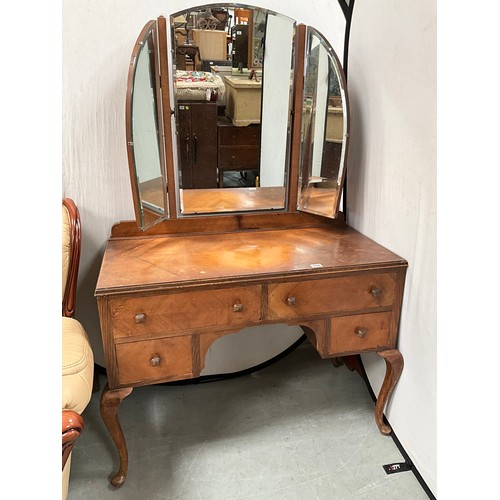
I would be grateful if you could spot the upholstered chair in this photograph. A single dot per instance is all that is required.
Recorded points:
(77, 355)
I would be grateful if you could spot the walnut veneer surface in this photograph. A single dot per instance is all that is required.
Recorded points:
(163, 300)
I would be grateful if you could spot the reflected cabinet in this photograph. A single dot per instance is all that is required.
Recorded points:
(198, 140)
(237, 133)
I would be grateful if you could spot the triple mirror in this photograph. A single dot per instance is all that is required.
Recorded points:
(232, 110)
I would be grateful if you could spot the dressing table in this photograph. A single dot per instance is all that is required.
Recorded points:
(199, 264)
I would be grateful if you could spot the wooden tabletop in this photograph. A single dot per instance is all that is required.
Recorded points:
(170, 261)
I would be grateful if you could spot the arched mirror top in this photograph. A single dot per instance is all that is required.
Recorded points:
(251, 116)
(144, 145)
(325, 129)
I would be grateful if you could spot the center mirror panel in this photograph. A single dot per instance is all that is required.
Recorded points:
(233, 92)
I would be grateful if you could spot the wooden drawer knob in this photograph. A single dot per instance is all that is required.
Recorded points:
(361, 332)
(140, 318)
(376, 292)
(155, 360)
(291, 301)
(237, 308)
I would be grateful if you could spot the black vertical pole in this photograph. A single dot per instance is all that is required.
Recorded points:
(347, 8)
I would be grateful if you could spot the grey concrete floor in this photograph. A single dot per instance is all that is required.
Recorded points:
(298, 429)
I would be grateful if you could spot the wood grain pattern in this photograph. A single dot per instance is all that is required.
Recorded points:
(173, 313)
(359, 333)
(331, 295)
(226, 222)
(165, 299)
(166, 262)
(140, 363)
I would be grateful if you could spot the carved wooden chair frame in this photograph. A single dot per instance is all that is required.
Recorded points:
(72, 422)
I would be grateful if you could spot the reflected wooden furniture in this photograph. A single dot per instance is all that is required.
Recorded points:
(238, 148)
(165, 297)
(212, 43)
(187, 56)
(239, 36)
(332, 154)
(198, 144)
(332, 147)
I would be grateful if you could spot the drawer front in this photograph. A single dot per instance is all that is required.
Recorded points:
(359, 332)
(249, 135)
(326, 296)
(239, 156)
(162, 359)
(187, 311)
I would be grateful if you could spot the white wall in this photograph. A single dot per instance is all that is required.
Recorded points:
(391, 175)
(392, 192)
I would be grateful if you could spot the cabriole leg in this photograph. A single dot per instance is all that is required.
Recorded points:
(110, 401)
(394, 367)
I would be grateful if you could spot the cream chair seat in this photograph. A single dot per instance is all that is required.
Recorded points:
(77, 355)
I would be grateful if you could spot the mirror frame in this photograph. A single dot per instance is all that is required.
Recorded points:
(145, 216)
(305, 177)
(166, 122)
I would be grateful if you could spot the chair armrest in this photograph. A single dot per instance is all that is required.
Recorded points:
(72, 427)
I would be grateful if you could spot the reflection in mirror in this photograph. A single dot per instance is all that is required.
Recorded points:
(324, 129)
(233, 84)
(143, 132)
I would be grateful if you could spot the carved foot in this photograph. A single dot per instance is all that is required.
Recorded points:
(110, 401)
(394, 367)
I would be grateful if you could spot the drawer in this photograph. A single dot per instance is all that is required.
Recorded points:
(245, 157)
(162, 359)
(330, 295)
(172, 313)
(249, 135)
(359, 333)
